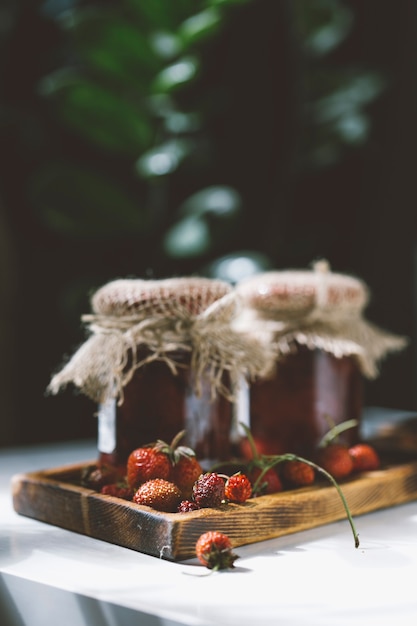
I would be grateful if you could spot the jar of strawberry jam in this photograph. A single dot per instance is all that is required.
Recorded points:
(162, 357)
(323, 350)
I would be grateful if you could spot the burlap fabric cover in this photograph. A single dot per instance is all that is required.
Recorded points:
(164, 316)
(318, 309)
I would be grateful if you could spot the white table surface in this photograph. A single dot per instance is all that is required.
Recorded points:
(314, 578)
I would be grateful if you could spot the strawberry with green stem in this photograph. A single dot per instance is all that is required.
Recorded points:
(170, 461)
(186, 468)
(264, 479)
(358, 457)
(271, 461)
(332, 454)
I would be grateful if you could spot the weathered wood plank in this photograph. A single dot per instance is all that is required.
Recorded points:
(56, 497)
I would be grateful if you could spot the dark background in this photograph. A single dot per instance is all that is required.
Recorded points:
(304, 113)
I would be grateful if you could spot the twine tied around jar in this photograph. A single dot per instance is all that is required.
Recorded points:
(315, 310)
(108, 359)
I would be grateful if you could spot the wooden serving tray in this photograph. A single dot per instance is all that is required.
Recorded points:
(56, 497)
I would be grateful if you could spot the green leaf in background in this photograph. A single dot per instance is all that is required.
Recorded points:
(190, 237)
(79, 203)
(343, 93)
(322, 24)
(176, 122)
(216, 3)
(176, 75)
(200, 26)
(205, 220)
(107, 118)
(163, 159)
(165, 45)
(218, 200)
(353, 128)
(107, 43)
(237, 266)
(166, 14)
(339, 112)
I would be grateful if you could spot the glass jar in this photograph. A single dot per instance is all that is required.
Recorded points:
(162, 357)
(162, 395)
(158, 404)
(323, 350)
(310, 391)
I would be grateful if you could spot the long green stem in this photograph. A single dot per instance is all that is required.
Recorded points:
(255, 453)
(271, 461)
(293, 457)
(335, 431)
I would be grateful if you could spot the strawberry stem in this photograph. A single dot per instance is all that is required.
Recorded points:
(177, 439)
(268, 462)
(335, 431)
(293, 457)
(255, 453)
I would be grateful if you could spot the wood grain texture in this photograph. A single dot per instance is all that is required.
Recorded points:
(56, 497)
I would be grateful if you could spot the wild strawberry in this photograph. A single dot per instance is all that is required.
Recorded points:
(336, 460)
(119, 490)
(159, 494)
(340, 465)
(214, 550)
(238, 488)
(187, 505)
(365, 458)
(184, 474)
(146, 463)
(184, 466)
(298, 473)
(270, 482)
(209, 490)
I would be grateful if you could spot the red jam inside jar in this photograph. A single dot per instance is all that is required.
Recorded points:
(310, 392)
(158, 404)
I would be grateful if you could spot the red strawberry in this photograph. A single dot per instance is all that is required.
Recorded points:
(184, 474)
(298, 473)
(184, 467)
(214, 550)
(238, 488)
(146, 463)
(119, 490)
(336, 460)
(269, 483)
(159, 494)
(187, 505)
(365, 458)
(209, 490)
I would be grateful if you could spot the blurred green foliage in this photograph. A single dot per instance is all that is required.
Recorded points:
(162, 137)
(138, 87)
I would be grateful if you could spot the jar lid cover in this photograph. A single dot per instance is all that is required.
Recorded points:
(302, 290)
(318, 309)
(128, 296)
